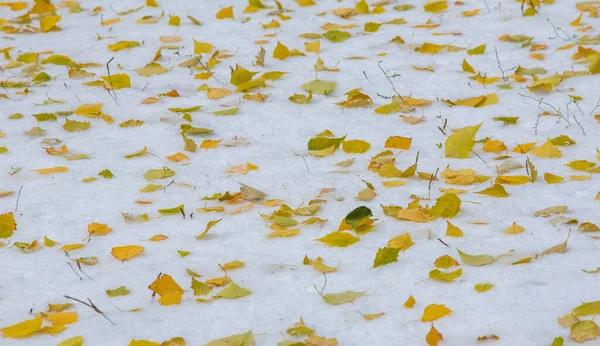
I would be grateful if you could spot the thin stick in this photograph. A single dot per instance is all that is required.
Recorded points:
(18, 197)
(305, 164)
(368, 80)
(74, 271)
(113, 95)
(207, 70)
(441, 241)
(91, 306)
(504, 78)
(81, 270)
(433, 177)
(390, 80)
(597, 105)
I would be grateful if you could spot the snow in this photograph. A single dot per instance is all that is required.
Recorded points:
(523, 306)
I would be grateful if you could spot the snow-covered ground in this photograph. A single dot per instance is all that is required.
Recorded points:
(526, 300)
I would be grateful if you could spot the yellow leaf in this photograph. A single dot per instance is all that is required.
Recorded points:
(493, 146)
(313, 47)
(126, 252)
(178, 157)
(434, 311)
(48, 23)
(471, 13)
(151, 3)
(158, 237)
(67, 317)
(139, 153)
(439, 275)
(514, 229)
(46, 171)
(355, 146)
(98, 229)
(7, 225)
(174, 20)
(398, 142)
(477, 50)
(233, 291)
(512, 179)
(483, 287)
(552, 179)
(460, 143)
(284, 233)
(123, 45)
(151, 69)
(209, 225)
(281, 52)
(339, 239)
(169, 291)
(415, 215)
(436, 6)
(402, 242)
(453, 231)
(547, 150)
(217, 93)
(74, 341)
(224, 13)
(117, 81)
(22, 329)
(433, 337)
(370, 317)
(445, 262)
(202, 47)
(410, 302)
(71, 247)
(583, 331)
(233, 265)
(430, 48)
(494, 191)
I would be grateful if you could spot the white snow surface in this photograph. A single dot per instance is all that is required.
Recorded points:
(523, 306)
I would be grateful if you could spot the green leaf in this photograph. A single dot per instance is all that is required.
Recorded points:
(121, 291)
(439, 275)
(246, 339)
(320, 87)
(234, 291)
(337, 36)
(73, 125)
(150, 188)
(320, 143)
(200, 288)
(507, 120)
(191, 130)
(44, 117)
(585, 309)
(476, 260)
(460, 143)
(355, 217)
(342, 298)
(3, 150)
(153, 174)
(175, 210)
(386, 255)
(106, 174)
(231, 111)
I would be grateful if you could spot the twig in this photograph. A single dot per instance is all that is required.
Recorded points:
(305, 164)
(169, 184)
(74, 271)
(18, 197)
(368, 80)
(390, 80)
(481, 158)
(441, 241)
(486, 6)
(597, 105)
(556, 32)
(114, 94)
(575, 117)
(207, 70)
(91, 306)
(504, 78)
(81, 270)
(433, 177)
(541, 102)
(324, 284)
